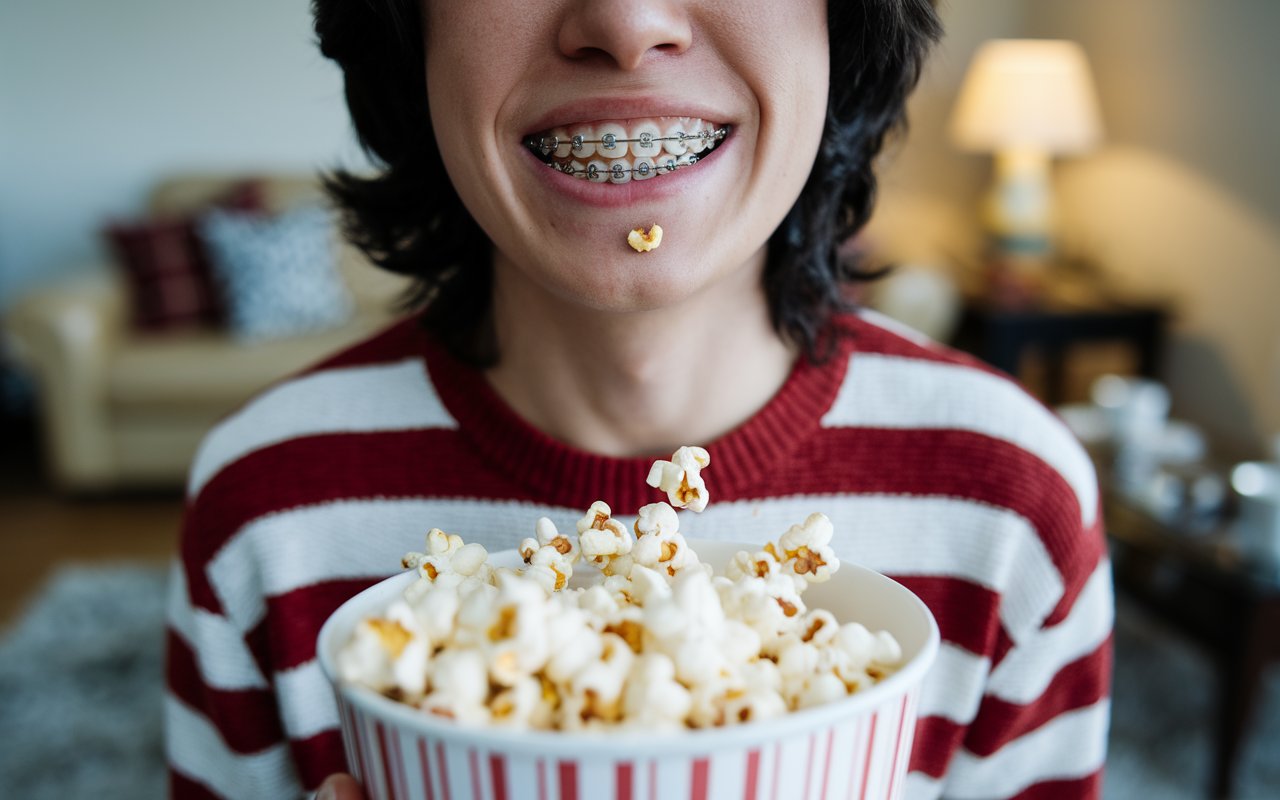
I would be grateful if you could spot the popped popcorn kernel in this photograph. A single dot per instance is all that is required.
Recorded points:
(657, 643)
(643, 242)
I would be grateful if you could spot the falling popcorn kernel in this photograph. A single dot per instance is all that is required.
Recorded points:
(643, 242)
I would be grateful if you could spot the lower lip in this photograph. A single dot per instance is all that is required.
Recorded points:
(633, 192)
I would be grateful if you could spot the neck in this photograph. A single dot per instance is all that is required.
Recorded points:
(637, 383)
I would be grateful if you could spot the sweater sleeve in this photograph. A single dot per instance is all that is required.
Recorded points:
(223, 736)
(1041, 726)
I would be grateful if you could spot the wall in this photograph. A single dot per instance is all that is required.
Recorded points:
(100, 99)
(1183, 202)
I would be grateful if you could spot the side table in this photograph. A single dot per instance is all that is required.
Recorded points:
(1203, 585)
(1000, 335)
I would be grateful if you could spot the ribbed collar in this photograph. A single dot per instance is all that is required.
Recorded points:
(554, 473)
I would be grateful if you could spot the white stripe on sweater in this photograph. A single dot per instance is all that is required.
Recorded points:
(383, 397)
(291, 549)
(895, 392)
(223, 657)
(307, 704)
(1071, 745)
(953, 687)
(902, 535)
(196, 750)
(1026, 671)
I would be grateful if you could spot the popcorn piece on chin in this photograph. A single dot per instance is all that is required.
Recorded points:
(681, 478)
(806, 549)
(600, 536)
(548, 536)
(653, 698)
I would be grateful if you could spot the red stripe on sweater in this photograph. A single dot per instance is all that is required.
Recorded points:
(1086, 788)
(183, 788)
(294, 619)
(842, 460)
(968, 615)
(319, 756)
(936, 741)
(246, 719)
(1079, 684)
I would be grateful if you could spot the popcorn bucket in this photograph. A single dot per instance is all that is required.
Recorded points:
(856, 747)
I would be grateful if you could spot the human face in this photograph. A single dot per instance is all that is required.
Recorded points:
(502, 72)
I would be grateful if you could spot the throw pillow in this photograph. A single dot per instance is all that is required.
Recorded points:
(279, 275)
(166, 269)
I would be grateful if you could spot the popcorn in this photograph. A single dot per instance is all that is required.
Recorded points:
(806, 549)
(657, 643)
(681, 478)
(448, 559)
(643, 242)
(602, 538)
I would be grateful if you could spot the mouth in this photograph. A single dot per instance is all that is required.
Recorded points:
(619, 152)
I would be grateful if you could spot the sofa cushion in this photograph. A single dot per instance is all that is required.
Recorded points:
(166, 269)
(279, 275)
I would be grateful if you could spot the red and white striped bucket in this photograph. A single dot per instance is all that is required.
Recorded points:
(857, 747)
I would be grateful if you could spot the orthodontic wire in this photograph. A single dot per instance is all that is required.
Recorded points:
(548, 144)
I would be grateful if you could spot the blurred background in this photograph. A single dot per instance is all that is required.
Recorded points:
(1096, 210)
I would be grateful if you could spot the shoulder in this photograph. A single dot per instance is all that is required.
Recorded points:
(899, 379)
(376, 385)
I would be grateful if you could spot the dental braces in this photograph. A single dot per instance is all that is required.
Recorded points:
(617, 171)
(546, 145)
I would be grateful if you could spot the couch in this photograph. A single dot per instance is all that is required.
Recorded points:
(119, 409)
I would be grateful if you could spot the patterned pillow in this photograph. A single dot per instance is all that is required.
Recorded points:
(166, 269)
(279, 275)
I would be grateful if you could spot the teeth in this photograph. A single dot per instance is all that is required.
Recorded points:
(645, 139)
(561, 137)
(620, 171)
(642, 169)
(582, 144)
(673, 145)
(612, 141)
(612, 153)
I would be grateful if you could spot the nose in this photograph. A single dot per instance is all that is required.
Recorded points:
(625, 32)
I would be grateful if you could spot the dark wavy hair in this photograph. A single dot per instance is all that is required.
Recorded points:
(409, 219)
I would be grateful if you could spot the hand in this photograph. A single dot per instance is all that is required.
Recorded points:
(340, 787)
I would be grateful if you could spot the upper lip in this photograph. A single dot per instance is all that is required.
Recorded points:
(587, 110)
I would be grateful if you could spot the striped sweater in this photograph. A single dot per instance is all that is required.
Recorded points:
(933, 469)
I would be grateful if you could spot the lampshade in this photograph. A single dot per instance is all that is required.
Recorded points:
(1027, 94)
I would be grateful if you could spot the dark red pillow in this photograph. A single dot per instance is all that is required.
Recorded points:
(165, 267)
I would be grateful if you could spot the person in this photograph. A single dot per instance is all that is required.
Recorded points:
(548, 362)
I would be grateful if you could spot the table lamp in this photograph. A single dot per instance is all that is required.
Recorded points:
(1025, 100)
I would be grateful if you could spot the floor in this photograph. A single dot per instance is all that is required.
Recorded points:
(40, 529)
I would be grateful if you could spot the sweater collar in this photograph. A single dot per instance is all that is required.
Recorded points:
(742, 461)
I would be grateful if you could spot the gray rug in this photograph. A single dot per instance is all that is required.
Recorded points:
(81, 682)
